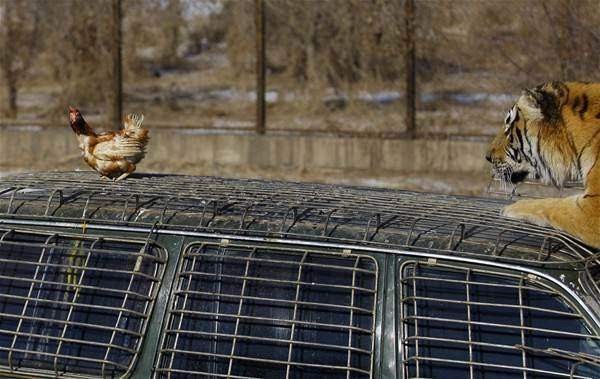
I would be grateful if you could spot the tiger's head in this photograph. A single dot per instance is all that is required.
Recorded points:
(535, 141)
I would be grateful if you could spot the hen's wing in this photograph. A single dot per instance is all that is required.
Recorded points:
(119, 147)
(128, 143)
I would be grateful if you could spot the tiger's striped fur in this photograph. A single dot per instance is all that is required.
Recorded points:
(553, 132)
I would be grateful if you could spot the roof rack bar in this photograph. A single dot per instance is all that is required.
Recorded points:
(60, 201)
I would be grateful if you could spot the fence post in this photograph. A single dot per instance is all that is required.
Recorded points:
(117, 101)
(409, 16)
(259, 19)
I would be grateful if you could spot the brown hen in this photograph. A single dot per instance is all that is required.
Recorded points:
(113, 154)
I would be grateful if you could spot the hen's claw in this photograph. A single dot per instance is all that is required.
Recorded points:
(123, 176)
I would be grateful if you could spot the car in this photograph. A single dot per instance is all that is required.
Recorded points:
(170, 276)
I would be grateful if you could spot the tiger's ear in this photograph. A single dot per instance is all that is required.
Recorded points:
(543, 103)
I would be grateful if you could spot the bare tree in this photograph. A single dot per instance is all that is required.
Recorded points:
(19, 21)
(79, 54)
(329, 42)
(171, 26)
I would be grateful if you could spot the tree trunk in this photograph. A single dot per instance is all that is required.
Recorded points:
(259, 18)
(11, 97)
(172, 34)
(409, 14)
(117, 61)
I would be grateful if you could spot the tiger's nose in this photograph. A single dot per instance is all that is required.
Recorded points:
(488, 156)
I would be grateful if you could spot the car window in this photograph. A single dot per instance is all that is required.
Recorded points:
(74, 304)
(461, 322)
(250, 311)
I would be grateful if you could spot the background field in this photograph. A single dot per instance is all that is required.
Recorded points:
(333, 66)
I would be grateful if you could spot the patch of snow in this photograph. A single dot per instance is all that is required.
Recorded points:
(270, 96)
(429, 97)
(501, 98)
(381, 97)
(467, 98)
(221, 123)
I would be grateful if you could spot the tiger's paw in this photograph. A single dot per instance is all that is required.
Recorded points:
(526, 210)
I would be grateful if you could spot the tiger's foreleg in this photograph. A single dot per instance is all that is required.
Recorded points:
(576, 215)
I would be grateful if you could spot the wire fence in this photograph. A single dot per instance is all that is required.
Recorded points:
(383, 68)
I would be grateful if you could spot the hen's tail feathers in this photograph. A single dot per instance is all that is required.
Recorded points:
(132, 128)
(134, 121)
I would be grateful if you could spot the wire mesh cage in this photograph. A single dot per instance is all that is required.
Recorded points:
(475, 323)
(310, 211)
(72, 305)
(257, 312)
(469, 227)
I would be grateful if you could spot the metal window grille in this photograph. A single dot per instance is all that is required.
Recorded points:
(248, 311)
(460, 322)
(72, 305)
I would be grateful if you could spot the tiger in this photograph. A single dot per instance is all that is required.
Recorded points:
(552, 132)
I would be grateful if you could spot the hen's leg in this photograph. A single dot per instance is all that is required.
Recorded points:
(130, 169)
